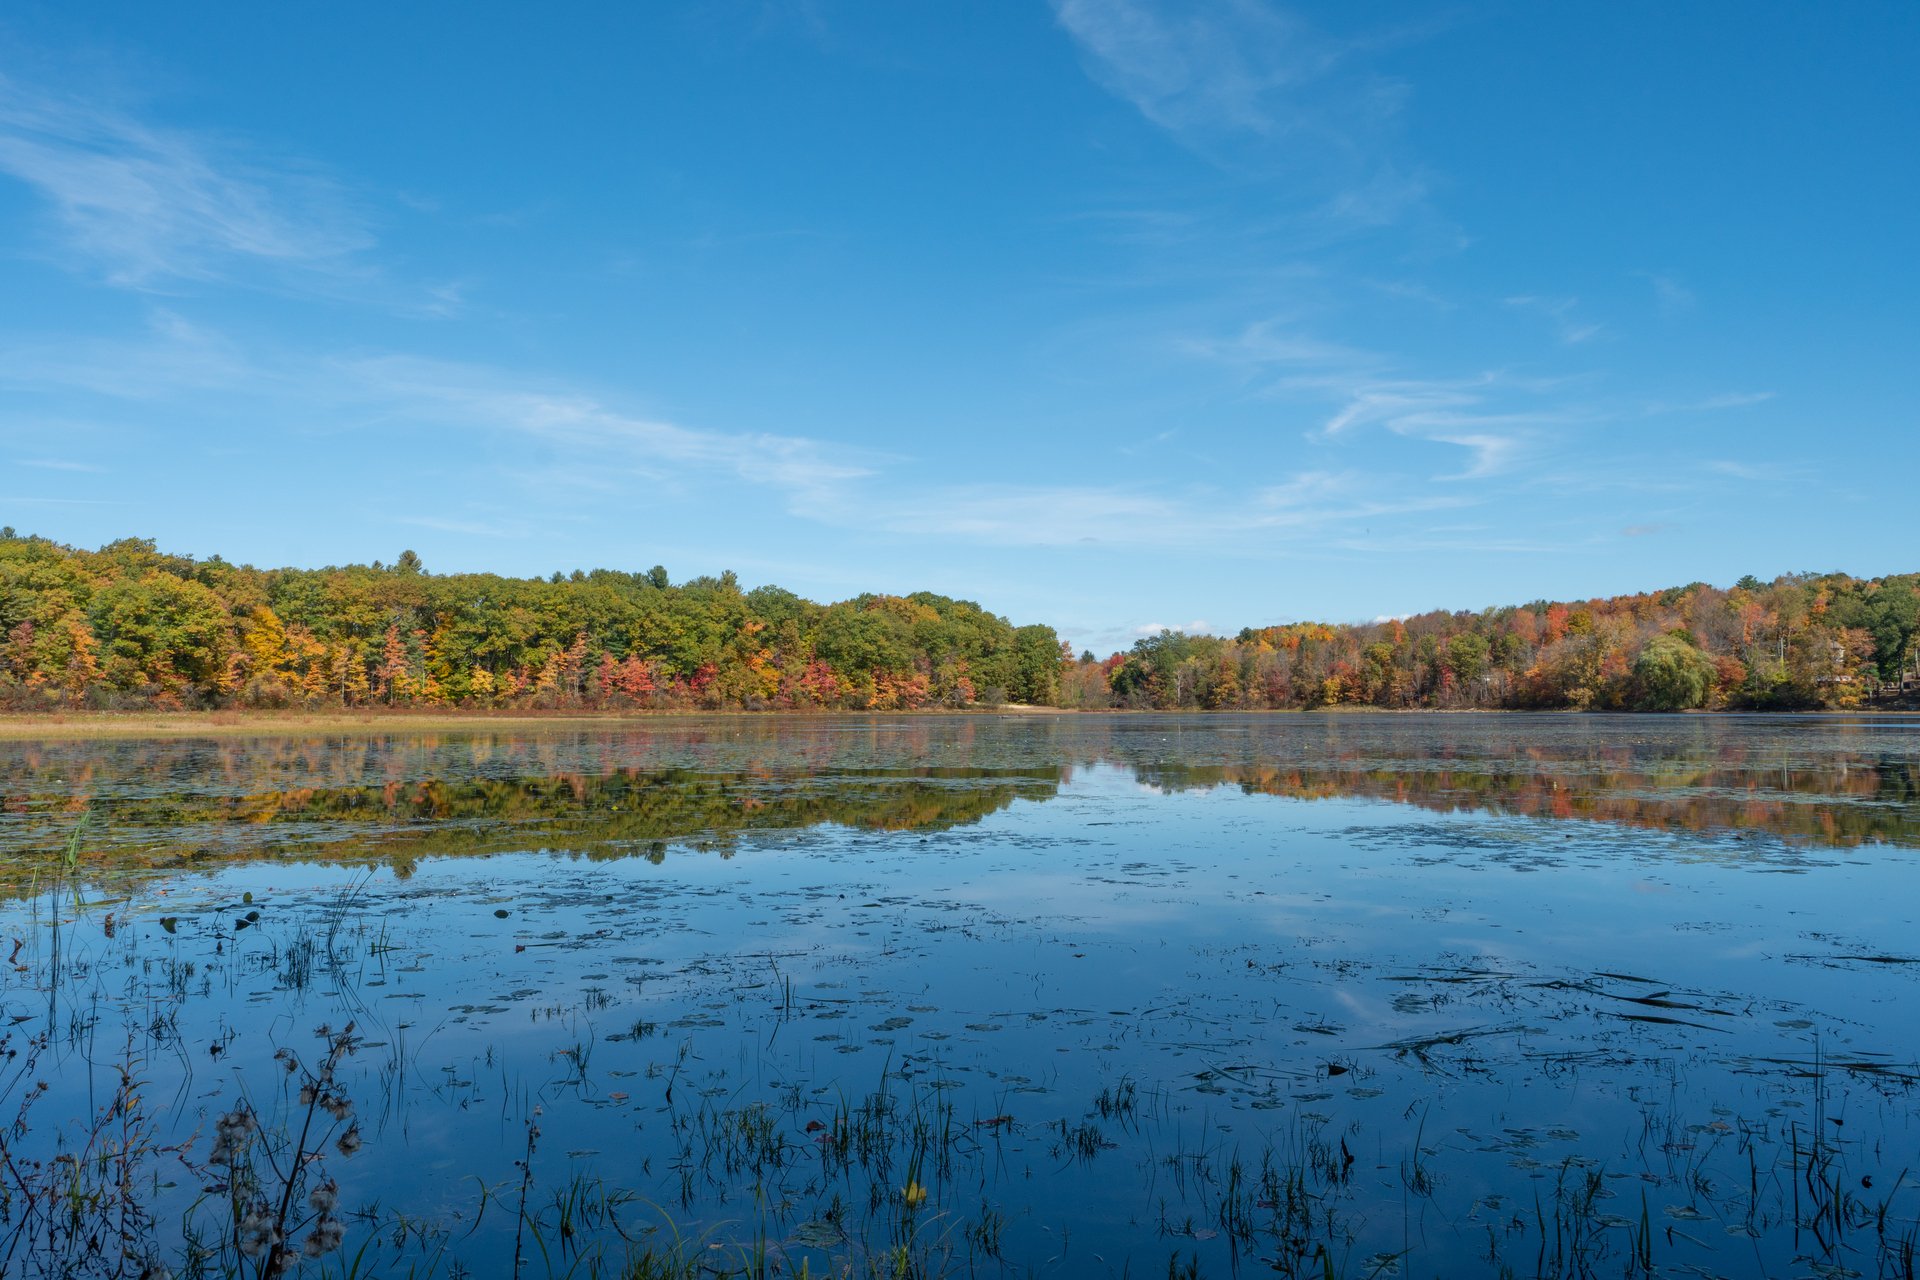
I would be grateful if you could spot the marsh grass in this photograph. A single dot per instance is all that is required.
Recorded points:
(884, 1181)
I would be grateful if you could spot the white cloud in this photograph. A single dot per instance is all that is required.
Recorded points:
(1669, 294)
(1713, 404)
(1492, 454)
(582, 426)
(578, 450)
(1445, 411)
(473, 528)
(1212, 66)
(1735, 400)
(57, 464)
(149, 205)
(1270, 342)
(1490, 415)
(174, 357)
(1253, 88)
(1560, 312)
(41, 501)
(1396, 401)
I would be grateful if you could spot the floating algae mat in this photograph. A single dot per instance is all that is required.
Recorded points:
(1078, 996)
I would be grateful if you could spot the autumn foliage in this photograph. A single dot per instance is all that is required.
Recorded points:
(1801, 641)
(131, 626)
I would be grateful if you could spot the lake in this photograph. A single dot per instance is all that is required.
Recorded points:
(1304, 995)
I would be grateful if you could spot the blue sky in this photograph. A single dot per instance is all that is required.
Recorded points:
(1106, 313)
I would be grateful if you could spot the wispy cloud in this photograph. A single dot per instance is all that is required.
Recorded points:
(1227, 66)
(1252, 87)
(832, 485)
(1198, 627)
(1496, 417)
(580, 425)
(1713, 404)
(173, 356)
(1267, 343)
(472, 528)
(147, 205)
(39, 500)
(57, 464)
(1397, 402)
(1284, 517)
(1560, 312)
(1491, 454)
(580, 451)
(1670, 295)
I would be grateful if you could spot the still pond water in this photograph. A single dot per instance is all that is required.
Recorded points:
(1074, 996)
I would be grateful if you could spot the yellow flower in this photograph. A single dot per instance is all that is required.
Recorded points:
(913, 1193)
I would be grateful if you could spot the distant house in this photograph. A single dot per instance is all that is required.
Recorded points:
(1837, 654)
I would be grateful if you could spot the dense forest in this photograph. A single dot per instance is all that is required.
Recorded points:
(130, 626)
(1800, 641)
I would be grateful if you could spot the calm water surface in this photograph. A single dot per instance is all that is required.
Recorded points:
(1407, 995)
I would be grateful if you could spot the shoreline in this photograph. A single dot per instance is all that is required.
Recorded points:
(19, 726)
(15, 726)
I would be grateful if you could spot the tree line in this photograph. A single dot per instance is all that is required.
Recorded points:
(1802, 641)
(131, 626)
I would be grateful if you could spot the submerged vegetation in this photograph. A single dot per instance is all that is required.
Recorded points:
(129, 626)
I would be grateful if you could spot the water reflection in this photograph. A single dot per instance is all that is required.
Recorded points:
(1870, 802)
(914, 1026)
(624, 791)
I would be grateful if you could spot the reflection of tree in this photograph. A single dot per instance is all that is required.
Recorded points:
(623, 813)
(167, 804)
(1846, 807)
